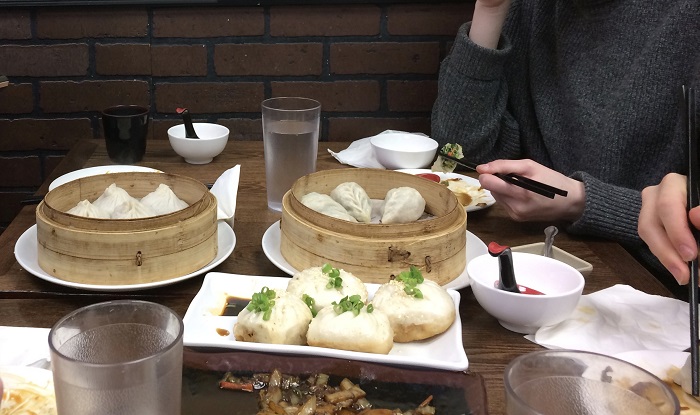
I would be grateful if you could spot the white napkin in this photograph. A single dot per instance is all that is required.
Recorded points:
(620, 319)
(21, 346)
(361, 154)
(225, 189)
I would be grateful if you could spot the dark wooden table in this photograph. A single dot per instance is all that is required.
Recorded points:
(26, 300)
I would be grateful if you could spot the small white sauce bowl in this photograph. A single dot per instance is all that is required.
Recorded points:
(561, 284)
(404, 151)
(211, 142)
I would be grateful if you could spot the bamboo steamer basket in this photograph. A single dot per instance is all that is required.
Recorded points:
(126, 251)
(375, 252)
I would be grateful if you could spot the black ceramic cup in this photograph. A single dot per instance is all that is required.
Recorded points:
(125, 128)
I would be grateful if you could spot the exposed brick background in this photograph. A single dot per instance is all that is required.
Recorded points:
(372, 66)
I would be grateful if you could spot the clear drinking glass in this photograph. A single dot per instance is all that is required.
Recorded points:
(118, 357)
(568, 382)
(290, 137)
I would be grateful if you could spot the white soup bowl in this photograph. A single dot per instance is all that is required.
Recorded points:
(404, 151)
(211, 142)
(560, 283)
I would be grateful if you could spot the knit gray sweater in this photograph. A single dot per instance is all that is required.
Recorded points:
(590, 88)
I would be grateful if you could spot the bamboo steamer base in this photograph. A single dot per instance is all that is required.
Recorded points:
(126, 251)
(375, 252)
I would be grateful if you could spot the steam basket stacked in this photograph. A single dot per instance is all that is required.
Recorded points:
(375, 252)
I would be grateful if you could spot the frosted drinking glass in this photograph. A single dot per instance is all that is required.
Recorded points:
(290, 137)
(118, 357)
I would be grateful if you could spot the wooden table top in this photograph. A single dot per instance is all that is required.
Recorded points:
(29, 301)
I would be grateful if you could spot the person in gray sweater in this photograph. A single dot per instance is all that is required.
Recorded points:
(584, 95)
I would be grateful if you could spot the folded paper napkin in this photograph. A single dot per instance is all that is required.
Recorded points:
(225, 189)
(361, 154)
(22, 346)
(620, 319)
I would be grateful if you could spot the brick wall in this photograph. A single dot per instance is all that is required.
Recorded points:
(372, 67)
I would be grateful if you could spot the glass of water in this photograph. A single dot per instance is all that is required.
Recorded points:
(290, 137)
(118, 357)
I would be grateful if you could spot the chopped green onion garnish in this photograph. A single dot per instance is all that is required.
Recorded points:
(262, 302)
(353, 303)
(334, 280)
(310, 302)
(410, 280)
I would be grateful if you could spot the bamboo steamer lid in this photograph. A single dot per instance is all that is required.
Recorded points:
(126, 251)
(375, 252)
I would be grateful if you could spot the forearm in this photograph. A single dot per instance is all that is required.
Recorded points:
(487, 23)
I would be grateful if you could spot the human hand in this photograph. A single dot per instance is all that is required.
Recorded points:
(487, 22)
(663, 225)
(524, 205)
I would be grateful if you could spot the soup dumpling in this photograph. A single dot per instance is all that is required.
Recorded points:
(163, 200)
(86, 209)
(402, 205)
(354, 199)
(325, 204)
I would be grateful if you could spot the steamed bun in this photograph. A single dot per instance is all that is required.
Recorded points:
(367, 331)
(287, 322)
(323, 288)
(413, 318)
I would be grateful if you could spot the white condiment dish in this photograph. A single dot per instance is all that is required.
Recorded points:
(211, 142)
(561, 285)
(403, 150)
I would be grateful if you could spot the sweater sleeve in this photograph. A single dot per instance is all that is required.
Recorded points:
(471, 106)
(611, 212)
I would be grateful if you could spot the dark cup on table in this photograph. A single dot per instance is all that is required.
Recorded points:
(125, 128)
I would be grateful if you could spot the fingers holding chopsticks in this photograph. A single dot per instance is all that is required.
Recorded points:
(664, 225)
(526, 205)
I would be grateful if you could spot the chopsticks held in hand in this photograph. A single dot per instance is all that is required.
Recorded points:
(516, 179)
(693, 201)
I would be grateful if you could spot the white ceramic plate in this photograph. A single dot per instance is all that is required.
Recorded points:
(94, 171)
(273, 236)
(30, 387)
(27, 256)
(205, 327)
(469, 180)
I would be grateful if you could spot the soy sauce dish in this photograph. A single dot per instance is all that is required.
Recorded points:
(560, 284)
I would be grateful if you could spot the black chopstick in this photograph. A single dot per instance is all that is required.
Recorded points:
(516, 179)
(693, 201)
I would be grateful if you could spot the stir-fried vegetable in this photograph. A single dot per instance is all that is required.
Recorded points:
(286, 395)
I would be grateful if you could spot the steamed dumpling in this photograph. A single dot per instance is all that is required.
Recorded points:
(402, 205)
(86, 209)
(113, 197)
(354, 199)
(314, 283)
(132, 209)
(326, 205)
(163, 200)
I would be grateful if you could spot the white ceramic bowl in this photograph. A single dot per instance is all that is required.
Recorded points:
(211, 142)
(404, 151)
(561, 284)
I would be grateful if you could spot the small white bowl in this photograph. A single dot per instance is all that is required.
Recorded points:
(404, 151)
(561, 284)
(211, 142)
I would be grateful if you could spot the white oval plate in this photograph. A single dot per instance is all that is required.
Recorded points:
(273, 236)
(28, 257)
(94, 171)
(32, 386)
(204, 324)
(469, 180)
